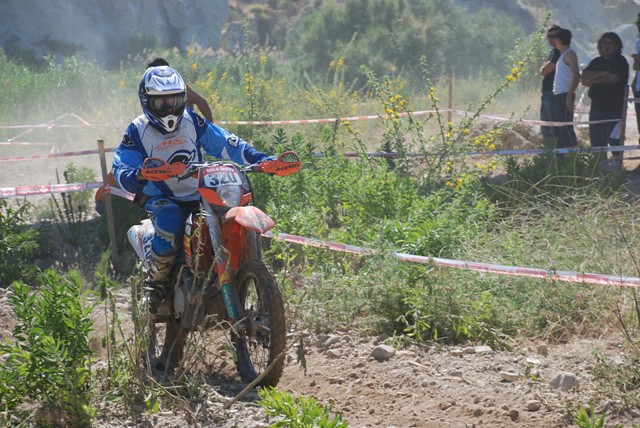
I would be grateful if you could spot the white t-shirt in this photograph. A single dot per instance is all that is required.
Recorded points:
(563, 75)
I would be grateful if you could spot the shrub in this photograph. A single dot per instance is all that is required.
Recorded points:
(297, 412)
(48, 363)
(549, 176)
(18, 243)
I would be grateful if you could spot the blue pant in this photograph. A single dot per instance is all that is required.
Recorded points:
(546, 113)
(565, 135)
(600, 133)
(636, 94)
(168, 218)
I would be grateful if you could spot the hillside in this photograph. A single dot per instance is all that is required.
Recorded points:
(587, 19)
(35, 29)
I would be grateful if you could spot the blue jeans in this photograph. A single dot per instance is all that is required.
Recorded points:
(546, 113)
(600, 133)
(565, 135)
(636, 94)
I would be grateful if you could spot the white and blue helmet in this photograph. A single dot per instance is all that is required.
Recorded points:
(163, 96)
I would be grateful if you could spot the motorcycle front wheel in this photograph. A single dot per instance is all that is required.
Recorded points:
(260, 344)
(164, 338)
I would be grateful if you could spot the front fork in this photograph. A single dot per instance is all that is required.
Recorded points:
(223, 267)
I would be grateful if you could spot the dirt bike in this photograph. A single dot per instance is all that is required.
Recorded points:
(219, 280)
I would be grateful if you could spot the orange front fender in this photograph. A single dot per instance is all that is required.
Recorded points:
(250, 217)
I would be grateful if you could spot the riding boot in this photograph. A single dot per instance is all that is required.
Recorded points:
(157, 282)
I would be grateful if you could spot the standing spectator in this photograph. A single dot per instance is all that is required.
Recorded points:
(565, 82)
(607, 77)
(193, 98)
(548, 71)
(635, 85)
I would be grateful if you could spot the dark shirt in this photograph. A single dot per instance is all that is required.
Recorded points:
(547, 81)
(609, 96)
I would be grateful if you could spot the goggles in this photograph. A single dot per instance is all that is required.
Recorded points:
(167, 104)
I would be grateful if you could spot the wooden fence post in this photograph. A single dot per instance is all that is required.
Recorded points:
(107, 200)
(450, 104)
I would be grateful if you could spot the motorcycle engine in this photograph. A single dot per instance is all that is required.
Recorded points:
(197, 242)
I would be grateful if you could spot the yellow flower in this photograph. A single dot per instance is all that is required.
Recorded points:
(189, 51)
(194, 66)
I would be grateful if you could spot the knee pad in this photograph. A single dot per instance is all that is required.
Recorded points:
(168, 223)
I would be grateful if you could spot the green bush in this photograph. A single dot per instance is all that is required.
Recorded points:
(390, 37)
(297, 412)
(549, 177)
(74, 208)
(48, 362)
(18, 243)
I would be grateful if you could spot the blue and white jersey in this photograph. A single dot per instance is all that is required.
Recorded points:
(185, 144)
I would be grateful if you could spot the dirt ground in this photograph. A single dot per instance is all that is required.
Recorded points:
(436, 386)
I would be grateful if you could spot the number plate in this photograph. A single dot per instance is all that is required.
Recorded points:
(220, 175)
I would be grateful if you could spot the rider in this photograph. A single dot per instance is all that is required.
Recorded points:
(174, 133)
(193, 100)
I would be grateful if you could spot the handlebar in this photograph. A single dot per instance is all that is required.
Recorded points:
(154, 169)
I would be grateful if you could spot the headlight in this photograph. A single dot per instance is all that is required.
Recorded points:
(230, 195)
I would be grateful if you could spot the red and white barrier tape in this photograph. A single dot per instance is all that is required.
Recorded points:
(376, 154)
(52, 124)
(19, 191)
(565, 150)
(566, 276)
(11, 192)
(532, 122)
(497, 152)
(55, 155)
(119, 192)
(325, 120)
(23, 143)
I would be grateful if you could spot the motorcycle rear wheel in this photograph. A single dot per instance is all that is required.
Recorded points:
(262, 343)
